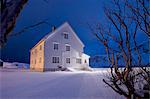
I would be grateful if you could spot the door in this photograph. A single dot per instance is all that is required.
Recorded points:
(66, 59)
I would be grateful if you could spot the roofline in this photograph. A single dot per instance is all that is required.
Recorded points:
(75, 34)
(46, 37)
(53, 32)
(86, 55)
(61, 26)
(50, 34)
(37, 44)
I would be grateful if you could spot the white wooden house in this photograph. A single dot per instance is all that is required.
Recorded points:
(62, 47)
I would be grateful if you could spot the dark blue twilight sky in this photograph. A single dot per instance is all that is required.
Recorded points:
(76, 12)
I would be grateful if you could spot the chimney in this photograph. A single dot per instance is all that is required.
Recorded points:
(53, 28)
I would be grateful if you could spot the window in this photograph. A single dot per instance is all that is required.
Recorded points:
(85, 61)
(68, 60)
(78, 60)
(40, 60)
(67, 47)
(55, 59)
(35, 51)
(66, 36)
(55, 46)
(32, 62)
(40, 47)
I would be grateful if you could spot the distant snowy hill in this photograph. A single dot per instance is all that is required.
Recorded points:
(102, 60)
(99, 61)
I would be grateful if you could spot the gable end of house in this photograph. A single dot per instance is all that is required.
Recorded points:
(51, 34)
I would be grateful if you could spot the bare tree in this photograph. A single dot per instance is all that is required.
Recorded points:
(126, 19)
(140, 14)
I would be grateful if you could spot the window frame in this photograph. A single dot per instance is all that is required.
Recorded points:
(65, 35)
(32, 53)
(79, 60)
(68, 61)
(85, 61)
(35, 61)
(40, 47)
(54, 47)
(40, 60)
(67, 45)
(36, 51)
(32, 62)
(54, 59)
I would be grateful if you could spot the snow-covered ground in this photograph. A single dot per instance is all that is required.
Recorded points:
(54, 85)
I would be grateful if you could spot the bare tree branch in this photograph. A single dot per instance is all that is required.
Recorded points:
(30, 27)
(127, 19)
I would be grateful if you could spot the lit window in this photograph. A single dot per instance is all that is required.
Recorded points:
(35, 51)
(40, 60)
(66, 36)
(55, 59)
(78, 60)
(40, 47)
(68, 60)
(67, 48)
(55, 46)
